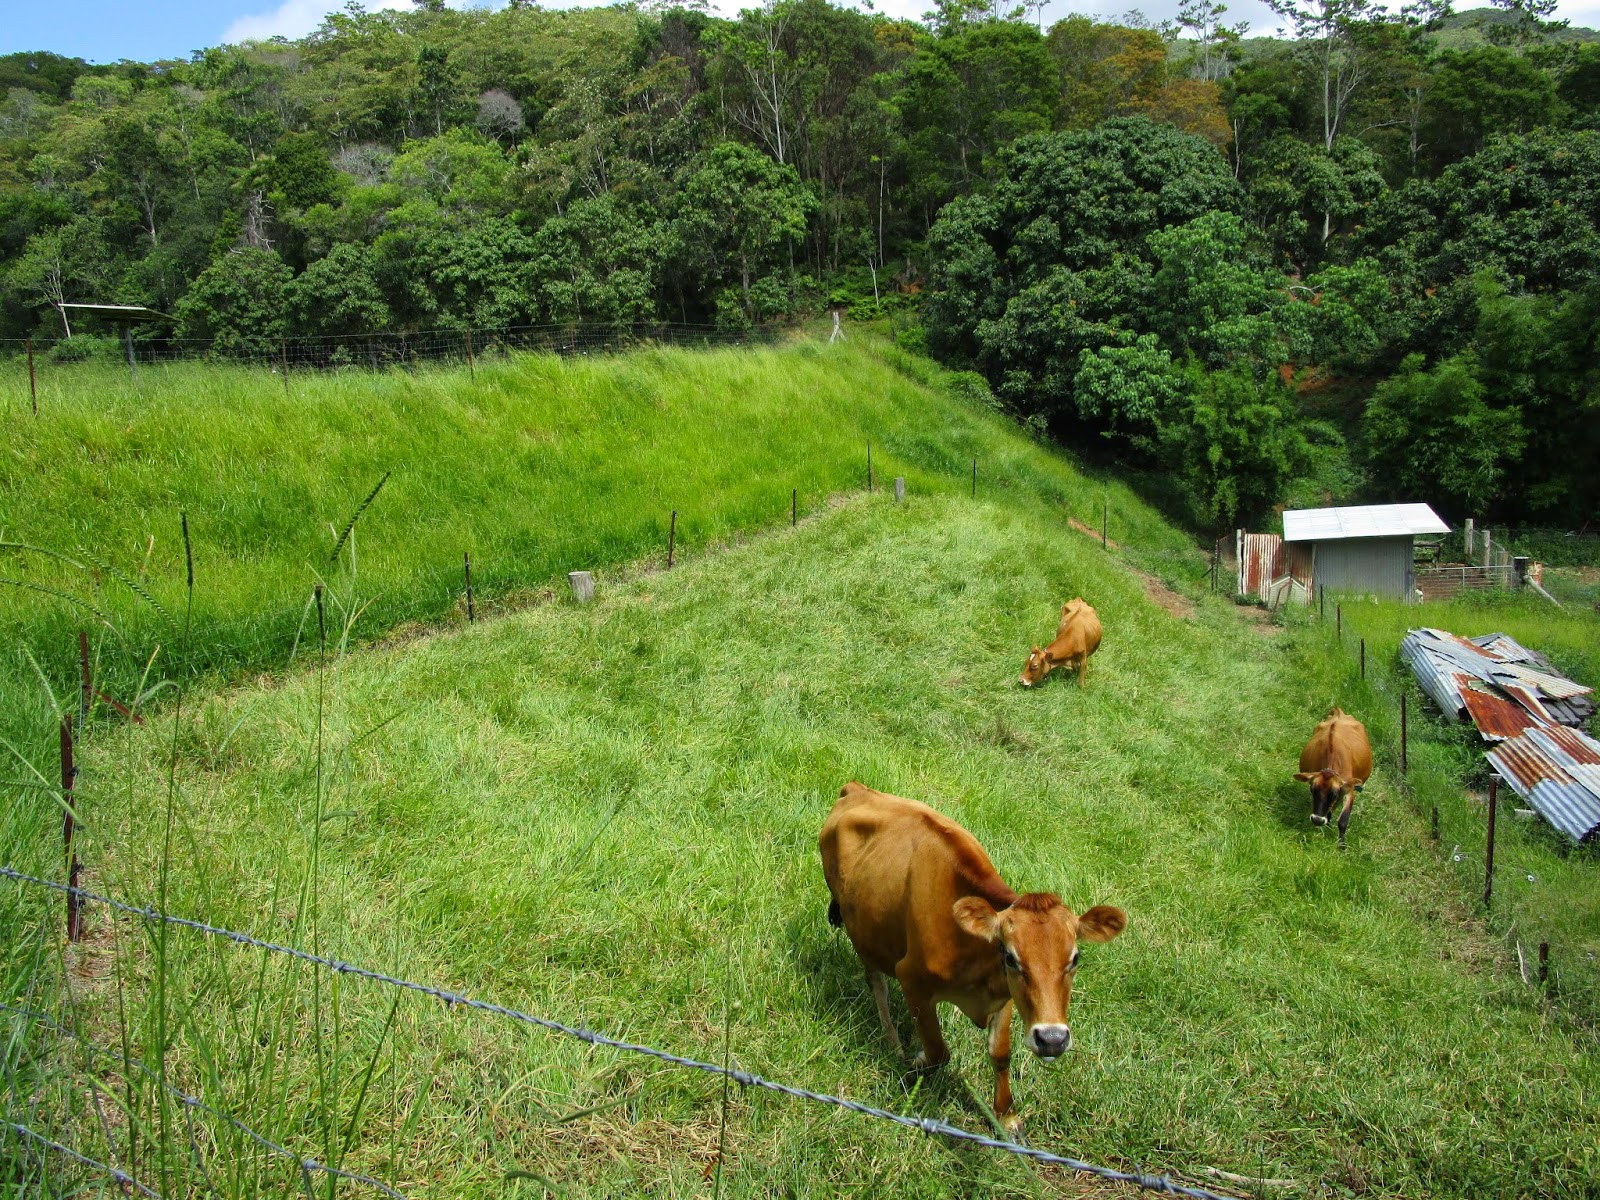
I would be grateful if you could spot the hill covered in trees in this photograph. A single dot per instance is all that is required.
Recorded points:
(1355, 262)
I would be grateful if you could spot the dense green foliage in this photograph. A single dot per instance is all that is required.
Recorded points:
(1137, 208)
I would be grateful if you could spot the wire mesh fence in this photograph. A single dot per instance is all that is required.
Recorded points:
(375, 351)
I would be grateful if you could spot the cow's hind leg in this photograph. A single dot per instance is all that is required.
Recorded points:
(1000, 1058)
(879, 984)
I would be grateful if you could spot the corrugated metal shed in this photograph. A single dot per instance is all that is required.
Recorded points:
(1371, 566)
(1364, 521)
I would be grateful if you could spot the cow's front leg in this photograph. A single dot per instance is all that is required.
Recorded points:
(1344, 816)
(880, 993)
(1000, 1056)
(919, 999)
(1083, 669)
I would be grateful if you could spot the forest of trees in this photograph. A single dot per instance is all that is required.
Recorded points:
(1360, 262)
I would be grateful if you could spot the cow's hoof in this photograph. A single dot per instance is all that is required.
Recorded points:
(1012, 1124)
(922, 1063)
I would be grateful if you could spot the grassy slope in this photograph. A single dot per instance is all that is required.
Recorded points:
(610, 814)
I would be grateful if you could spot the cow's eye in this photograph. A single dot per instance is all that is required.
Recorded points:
(1010, 959)
(1072, 963)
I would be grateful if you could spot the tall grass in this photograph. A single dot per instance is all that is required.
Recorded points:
(608, 814)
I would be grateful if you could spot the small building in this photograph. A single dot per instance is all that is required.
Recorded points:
(1366, 550)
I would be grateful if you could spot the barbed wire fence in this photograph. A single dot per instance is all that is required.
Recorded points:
(931, 1126)
(1503, 888)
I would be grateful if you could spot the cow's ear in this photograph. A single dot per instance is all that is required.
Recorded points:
(1101, 923)
(1305, 776)
(975, 916)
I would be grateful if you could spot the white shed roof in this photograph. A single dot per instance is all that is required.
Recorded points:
(1367, 521)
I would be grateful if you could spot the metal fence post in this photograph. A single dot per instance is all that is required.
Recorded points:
(974, 479)
(33, 387)
(1544, 961)
(466, 566)
(1405, 762)
(869, 466)
(1363, 658)
(794, 506)
(472, 366)
(1338, 621)
(1105, 520)
(1488, 853)
(69, 777)
(672, 538)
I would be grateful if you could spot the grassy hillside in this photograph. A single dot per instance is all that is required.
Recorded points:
(609, 815)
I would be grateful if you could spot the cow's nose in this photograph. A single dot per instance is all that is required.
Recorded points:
(1051, 1040)
(1316, 820)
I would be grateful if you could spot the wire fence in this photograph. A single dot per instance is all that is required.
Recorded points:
(373, 351)
(1512, 878)
(928, 1125)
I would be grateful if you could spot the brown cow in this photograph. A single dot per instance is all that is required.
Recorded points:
(1077, 637)
(1336, 762)
(921, 901)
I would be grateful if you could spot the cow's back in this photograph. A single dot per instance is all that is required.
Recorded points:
(895, 868)
(1079, 633)
(1340, 743)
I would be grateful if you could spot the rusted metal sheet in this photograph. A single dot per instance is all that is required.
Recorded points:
(1256, 554)
(1495, 716)
(1557, 770)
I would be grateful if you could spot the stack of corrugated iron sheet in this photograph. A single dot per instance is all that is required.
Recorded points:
(1533, 713)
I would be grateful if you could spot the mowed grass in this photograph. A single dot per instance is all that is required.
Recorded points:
(608, 815)
(1545, 888)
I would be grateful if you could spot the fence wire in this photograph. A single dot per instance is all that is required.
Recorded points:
(929, 1125)
(380, 350)
(307, 1165)
(121, 1176)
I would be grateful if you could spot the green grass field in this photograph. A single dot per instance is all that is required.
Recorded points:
(608, 815)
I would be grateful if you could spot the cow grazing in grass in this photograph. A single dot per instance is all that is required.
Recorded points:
(922, 902)
(1077, 637)
(1336, 763)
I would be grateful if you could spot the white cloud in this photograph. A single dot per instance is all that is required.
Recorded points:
(291, 19)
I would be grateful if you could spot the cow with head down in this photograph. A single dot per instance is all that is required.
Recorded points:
(921, 901)
(1077, 637)
(1336, 762)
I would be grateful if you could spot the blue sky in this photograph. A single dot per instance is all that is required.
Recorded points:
(105, 30)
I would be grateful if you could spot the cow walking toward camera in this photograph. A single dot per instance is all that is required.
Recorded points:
(1337, 763)
(921, 901)
(1077, 637)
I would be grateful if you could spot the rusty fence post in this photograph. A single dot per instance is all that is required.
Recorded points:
(1363, 658)
(466, 566)
(283, 358)
(1405, 761)
(1488, 851)
(1322, 596)
(1338, 621)
(794, 506)
(1105, 520)
(672, 538)
(869, 466)
(1436, 822)
(33, 386)
(974, 479)
(69, 776)
(1544, 961)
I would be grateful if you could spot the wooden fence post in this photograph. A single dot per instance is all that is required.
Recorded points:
(582, 585)
(69, 777)
(672, 538)
(1488, 852)
(1468, 539)
(899, 489)
(33, 387)
(466, 566)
